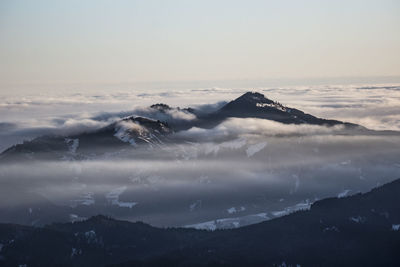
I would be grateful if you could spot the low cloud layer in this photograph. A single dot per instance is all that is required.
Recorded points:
(202, 181)
(239, 127)
(24, 117)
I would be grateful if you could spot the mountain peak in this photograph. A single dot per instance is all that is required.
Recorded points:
(161, 107)
(249, 102)
(100, 218)
(256, 105)
(254, 97)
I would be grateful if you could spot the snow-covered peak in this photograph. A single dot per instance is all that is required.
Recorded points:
(135, 130)
(254, 97)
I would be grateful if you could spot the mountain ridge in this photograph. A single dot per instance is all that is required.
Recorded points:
(256, 105)
(361, 230)
(154, 132)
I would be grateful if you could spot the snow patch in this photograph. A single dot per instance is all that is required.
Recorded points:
(234, 144)
(344, 193)
(196, 205)
(90, 234)
(273, 105)
(357, 219)
(86, 200)
(347, 162)
(124, 129)
(229, 223)
(213, 148)
(75, 218)
(299, 206)
(331, 229)
(235, 210)
(76, 252)
(91, 237)
(253, 149)
(113, 198)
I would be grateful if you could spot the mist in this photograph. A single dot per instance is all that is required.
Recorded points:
(247, 170)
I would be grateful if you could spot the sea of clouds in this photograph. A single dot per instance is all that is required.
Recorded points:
(26, 115)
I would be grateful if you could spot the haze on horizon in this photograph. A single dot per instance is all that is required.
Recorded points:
(134, 41)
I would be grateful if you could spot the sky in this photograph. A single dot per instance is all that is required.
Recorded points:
(51, 41)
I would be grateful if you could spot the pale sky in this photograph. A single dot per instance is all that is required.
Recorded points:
(137, 41)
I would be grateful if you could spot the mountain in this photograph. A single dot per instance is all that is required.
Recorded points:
(129, 131)
(360, 230)
(138, 131)
(256, 105)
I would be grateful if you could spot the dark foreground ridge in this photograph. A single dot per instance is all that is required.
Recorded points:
(361, 230)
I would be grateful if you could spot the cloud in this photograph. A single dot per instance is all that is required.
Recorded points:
(124, 131)
(13, 133)
(209, 108)
(244, 127)
(260, 173)
(373, 106)
(77, 126)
